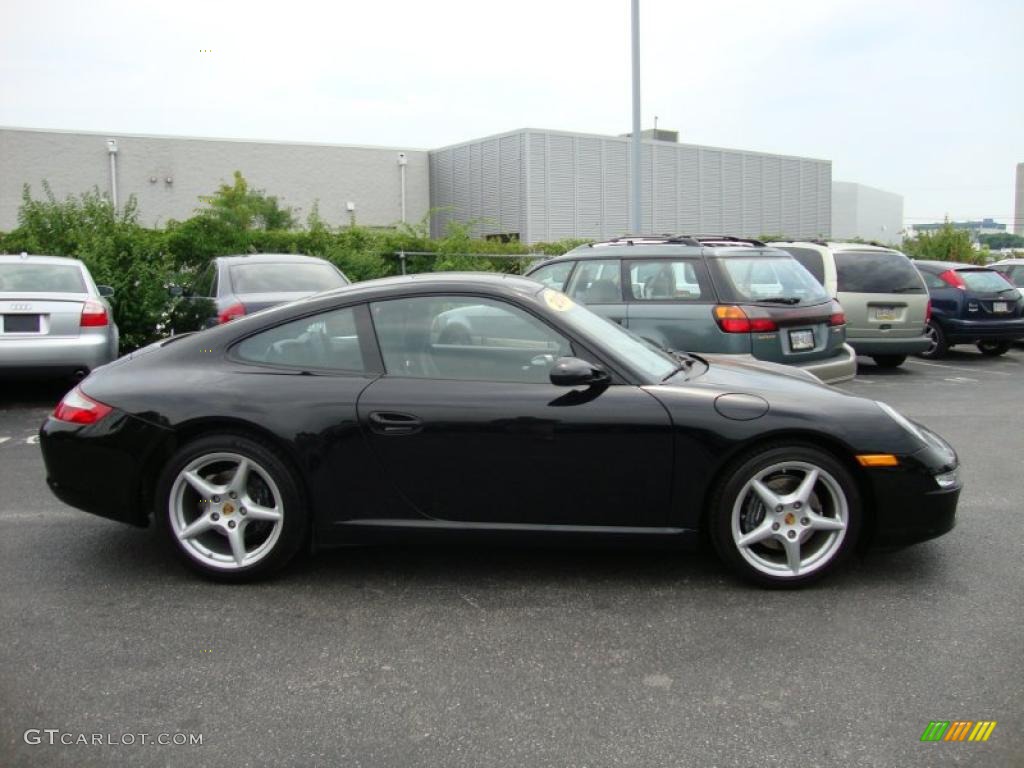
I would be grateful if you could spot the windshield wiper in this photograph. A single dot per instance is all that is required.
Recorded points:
(685, 364)
(779, 300)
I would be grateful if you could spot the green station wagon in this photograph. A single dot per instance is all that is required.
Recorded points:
(709, 294)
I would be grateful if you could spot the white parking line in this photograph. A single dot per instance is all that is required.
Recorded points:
(959, 379)
(34, 440)
(4, 440)
(957, 367)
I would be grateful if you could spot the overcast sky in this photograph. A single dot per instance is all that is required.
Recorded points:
(921, 98)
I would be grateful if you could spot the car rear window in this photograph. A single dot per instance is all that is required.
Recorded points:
(876, 272)
(42, 278)
(983, 280)
(768, 278)
(284, 278)
(811, 261)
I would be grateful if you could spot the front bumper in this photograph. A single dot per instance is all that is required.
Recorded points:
(840, 367)
(55, 354)
(910, 506)
(889, 346)
(966, 331)
(100, 468)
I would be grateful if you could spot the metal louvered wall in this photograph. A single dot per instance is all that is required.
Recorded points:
(550, 185)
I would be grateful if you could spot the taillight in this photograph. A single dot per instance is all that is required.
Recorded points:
(733, 319)
(94, 314)
(837, 318)
(231, 313)
(79, 408)
(928, 311)
(952, 278)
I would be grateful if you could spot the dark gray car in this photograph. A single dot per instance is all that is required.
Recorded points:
(241, 285)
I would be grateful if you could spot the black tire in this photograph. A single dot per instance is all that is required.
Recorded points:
(765, 562)
(994, 348)
(288, 502)
(889, 361)
(939, 343)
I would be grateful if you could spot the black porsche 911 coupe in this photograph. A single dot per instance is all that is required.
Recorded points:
(486, 405)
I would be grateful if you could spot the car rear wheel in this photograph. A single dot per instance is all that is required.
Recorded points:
(785, 515)
(994, 348)
(889, 361)
(937, 344)
(231, 507)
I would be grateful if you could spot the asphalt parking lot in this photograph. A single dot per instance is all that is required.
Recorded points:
(507, 656)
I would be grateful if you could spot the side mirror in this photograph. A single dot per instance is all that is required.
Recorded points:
(573, 372)
(105, 291)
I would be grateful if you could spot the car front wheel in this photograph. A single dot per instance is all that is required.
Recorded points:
(786, 515)
(230, 506)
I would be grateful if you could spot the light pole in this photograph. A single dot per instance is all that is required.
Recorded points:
(634, 218)
(402, 162)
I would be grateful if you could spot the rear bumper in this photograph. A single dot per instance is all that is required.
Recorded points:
(100, 468)
(840, 367)
(889, 346)
(966, 331)
(58, 354)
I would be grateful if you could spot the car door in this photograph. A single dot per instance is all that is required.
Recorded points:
(469, 427)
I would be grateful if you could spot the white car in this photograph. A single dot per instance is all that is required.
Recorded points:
(54, 320)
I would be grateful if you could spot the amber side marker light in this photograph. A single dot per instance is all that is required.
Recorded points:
(878, 460)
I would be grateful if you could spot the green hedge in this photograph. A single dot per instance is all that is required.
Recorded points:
(140, 263)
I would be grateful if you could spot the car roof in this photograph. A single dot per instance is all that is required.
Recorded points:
(667, 247)
(949, 264)
(428, 282)
(16, 258)
(269, 258)
(835, 245)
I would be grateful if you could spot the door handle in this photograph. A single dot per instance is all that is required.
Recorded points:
(391, 423)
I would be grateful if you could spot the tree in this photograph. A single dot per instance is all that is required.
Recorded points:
(243, 209)
(945, 244)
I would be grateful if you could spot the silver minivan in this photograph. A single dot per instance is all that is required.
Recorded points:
(884, 297)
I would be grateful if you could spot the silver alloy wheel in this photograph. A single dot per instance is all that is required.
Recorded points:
(226, 511)
(933, 339)
(790, 519)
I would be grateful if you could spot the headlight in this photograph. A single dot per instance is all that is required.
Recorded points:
(948, 480)
(903, 421)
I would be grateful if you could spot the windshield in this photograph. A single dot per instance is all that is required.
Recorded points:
(42, 278)
(984, 280)
(639, 354)
(876, 272)
(284, 278)
(768, 278)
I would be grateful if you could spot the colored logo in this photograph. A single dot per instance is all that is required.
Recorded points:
(958, 730)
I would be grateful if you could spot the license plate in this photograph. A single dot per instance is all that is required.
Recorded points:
(801, 340)
(1000, 306)
(21, 323)
(886, 314)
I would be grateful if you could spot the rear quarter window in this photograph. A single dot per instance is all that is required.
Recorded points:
(876, 272)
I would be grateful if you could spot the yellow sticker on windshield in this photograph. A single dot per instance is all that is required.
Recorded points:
(558, 301)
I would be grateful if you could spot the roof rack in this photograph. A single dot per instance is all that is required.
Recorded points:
(703, 239)
(649, 238)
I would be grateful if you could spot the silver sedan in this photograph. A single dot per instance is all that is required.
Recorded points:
(54, 320)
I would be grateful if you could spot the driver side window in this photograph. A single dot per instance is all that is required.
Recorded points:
(465, 338)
